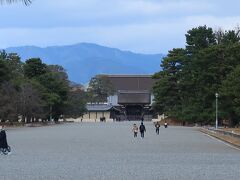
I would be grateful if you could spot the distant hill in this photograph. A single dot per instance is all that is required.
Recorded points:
(83, 61)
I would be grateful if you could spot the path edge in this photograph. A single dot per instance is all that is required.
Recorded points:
(215, 135)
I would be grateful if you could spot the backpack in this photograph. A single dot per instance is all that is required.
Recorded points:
(142, 128)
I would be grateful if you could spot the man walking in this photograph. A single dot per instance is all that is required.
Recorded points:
(142, 129)
(157, 126)
(165, 124)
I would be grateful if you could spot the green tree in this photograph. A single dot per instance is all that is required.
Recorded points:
(9, 102)
(100, 87)
(227, 37)
(190, 77)
(59, 70)
(230, 96)
(167, 89)
(34, 68)
(199, 38)
(31, 106)
(4, 72)
(34, 90)
(55, 92)
(15, 66)
(76, 104)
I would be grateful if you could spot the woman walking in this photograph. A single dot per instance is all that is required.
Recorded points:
(5, 149)
(135, 130)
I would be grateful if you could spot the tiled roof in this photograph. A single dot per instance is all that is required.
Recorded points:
(99, 107)
(132, 82)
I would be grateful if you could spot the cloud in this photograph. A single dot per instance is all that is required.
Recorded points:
(80, 13)
(214, 22)
(140, 25)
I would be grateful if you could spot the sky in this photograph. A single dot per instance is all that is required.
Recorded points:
(143, 26)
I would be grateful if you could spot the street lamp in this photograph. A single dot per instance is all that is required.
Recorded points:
(216, 94)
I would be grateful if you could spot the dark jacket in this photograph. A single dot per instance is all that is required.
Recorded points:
(142, 128)
(3, 139)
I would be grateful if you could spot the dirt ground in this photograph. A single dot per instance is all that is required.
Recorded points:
(229, 139)
(235, 130)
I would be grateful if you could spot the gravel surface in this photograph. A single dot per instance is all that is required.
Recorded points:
(109, 151)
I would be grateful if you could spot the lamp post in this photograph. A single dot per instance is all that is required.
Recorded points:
(216, 109)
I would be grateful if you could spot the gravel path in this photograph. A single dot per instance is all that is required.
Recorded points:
(109, 151)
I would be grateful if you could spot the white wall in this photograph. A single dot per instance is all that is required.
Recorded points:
(152, 99)
(94, 117)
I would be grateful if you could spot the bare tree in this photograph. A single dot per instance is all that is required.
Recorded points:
(9, 103)
(31, 105)
(26, 2)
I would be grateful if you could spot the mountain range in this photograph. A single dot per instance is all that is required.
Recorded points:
(84, 60)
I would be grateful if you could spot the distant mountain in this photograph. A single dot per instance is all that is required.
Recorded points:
(83, 61)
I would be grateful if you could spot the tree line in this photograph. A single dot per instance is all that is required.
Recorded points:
(190, 77)
(33, 91)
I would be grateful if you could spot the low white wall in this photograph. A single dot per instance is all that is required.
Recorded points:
(160, 118)
(87, 120)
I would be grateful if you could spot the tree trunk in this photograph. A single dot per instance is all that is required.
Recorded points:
(28, 119)
(23, 118)
(233, 120)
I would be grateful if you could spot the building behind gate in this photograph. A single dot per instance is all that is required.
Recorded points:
(133, 100)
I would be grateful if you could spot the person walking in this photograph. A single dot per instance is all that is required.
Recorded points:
(157, 126)
(3, 139)
(165, 124)
(135, 130)
(142, 129)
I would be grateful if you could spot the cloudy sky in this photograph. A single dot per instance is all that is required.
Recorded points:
(144, 26)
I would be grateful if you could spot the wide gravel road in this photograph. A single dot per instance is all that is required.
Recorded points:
(102, 151)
